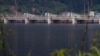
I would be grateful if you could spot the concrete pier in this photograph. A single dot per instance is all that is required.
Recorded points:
(49, 19)
(5, 21)
(26, 21)
(73, 20)
(99, 20)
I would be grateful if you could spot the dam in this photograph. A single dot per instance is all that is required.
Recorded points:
(49, 19)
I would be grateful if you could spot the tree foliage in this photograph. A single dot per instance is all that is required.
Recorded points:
(97, 8)
(52, 6)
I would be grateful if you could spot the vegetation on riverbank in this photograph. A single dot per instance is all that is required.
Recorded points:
(94, 49)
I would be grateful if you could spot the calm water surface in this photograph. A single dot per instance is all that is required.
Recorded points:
(42, 39)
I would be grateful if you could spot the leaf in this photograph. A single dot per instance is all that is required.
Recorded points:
(1, 47)
(29, 53)
(4, 15)
(1, 41)
(96, 50)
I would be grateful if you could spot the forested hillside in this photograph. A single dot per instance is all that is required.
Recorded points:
(52, 6)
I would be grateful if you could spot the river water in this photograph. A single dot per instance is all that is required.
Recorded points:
(42, 39)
